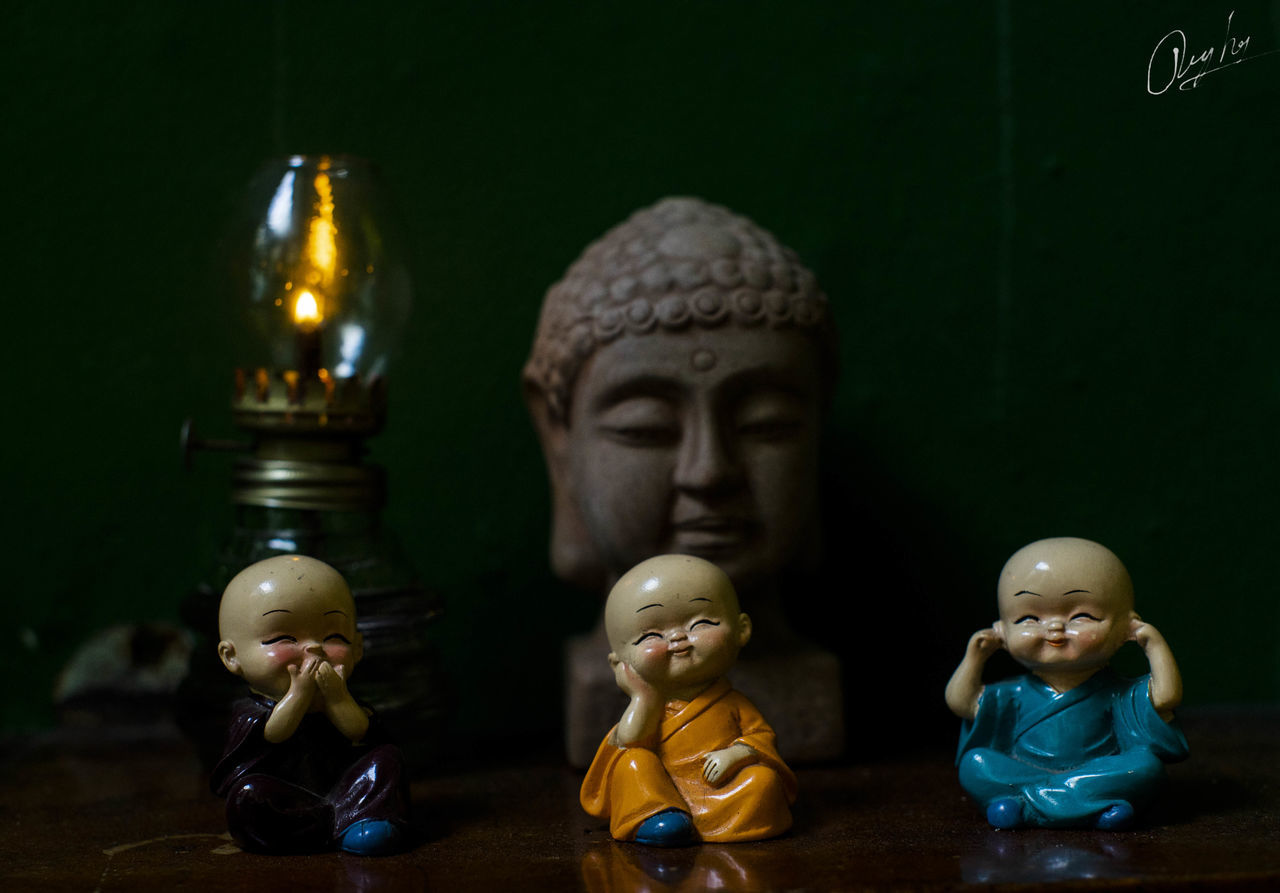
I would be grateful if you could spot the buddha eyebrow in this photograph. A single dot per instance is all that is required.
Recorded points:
(335, 611)
(769, 377)
(1027, 592)
(647, 607)
(640, 386)
(277, 611)
(699, 598)
(1075, 591)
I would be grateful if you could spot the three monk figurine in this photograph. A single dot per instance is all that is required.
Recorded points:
(1069, 744)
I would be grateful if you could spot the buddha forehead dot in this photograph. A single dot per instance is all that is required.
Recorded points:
(703, 360)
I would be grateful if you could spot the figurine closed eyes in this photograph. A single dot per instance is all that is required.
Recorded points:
(1071, 744)
(306, 766)
(691, 759)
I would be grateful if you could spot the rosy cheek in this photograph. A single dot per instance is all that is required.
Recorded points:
(651, 652)
(337, 654)
(283, 654)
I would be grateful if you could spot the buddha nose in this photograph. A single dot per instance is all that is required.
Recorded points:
(1056, 626)
(678, 636)
(706, 458)
(313, 648)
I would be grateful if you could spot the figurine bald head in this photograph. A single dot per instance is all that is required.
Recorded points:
(277, 613)
(1064, 603)
(675, 620)
(677, 382)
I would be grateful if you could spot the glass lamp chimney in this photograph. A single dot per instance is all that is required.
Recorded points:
(324, 296)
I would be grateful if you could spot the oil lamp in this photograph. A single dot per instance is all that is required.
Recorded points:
(323, 294)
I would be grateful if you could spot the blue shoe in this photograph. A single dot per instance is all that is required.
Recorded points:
(1116, 818)
(671, 827)
(371, 837)
(1005, 813)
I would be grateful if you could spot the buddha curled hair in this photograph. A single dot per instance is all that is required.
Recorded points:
(681, 263)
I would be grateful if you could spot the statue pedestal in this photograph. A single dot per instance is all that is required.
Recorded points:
(799, 693)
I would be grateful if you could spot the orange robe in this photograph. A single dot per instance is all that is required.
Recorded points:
(627, 785)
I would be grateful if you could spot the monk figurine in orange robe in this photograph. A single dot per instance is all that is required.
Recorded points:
(691, 759)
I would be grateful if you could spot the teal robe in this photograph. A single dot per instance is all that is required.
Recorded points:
(1067, 757)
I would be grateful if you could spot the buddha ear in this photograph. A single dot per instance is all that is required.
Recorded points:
(551, 427)
(574, 556)
(744, 630)
(227, 654)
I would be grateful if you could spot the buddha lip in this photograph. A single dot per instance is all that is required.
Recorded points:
(1057, 643)
(710, 522)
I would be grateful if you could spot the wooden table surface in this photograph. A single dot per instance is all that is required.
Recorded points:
(121, 810)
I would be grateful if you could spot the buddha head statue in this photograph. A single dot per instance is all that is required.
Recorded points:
(677, 381)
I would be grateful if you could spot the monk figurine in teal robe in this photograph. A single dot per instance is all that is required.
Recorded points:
(1071, 744)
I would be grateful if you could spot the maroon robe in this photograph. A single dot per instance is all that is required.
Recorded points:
(303, 793)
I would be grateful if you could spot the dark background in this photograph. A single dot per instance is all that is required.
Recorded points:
(1055, 293)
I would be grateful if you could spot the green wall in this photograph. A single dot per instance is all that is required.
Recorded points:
(1055, 293)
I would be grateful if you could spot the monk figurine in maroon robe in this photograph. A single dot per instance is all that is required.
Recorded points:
(306, 766)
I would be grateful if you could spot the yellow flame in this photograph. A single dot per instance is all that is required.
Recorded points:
(306, 310)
